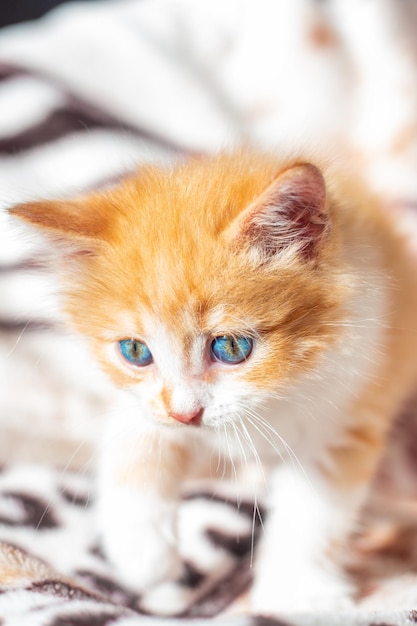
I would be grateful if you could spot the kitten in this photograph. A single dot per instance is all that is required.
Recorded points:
(250, 305)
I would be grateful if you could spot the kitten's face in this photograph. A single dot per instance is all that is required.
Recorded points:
(202, 291)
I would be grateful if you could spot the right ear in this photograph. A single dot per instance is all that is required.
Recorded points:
(78, 227)
(291, 212)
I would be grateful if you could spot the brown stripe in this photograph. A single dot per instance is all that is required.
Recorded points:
(217, 599)
(246, 508)
(59, 123)
(61, 589)
(78, 116)
(10, 71)
(36, 512)
(108, 588)
(86, 116)
(14, 326)
(236, 545)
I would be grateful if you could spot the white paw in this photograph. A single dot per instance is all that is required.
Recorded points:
(143, 558)
(168, 599)
(305, 591)
(141, 542)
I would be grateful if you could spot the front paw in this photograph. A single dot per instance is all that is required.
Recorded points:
(301, 591)
(140, 541)
(142, 557)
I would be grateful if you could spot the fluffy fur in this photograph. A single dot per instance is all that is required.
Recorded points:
(307, 264)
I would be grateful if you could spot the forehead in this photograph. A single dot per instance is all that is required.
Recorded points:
(210, 290)
(183, 325)
(202, 195)
(169, 236)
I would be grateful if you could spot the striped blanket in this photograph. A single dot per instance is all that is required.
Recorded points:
(86, 94)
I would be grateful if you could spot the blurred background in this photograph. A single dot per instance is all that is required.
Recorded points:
(25, 10)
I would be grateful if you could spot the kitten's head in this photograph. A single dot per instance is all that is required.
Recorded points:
(202, 289)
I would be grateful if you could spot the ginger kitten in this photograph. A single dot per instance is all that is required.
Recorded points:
(255, 307)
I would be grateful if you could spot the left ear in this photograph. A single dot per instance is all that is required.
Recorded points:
(290, 212)
(74, 227)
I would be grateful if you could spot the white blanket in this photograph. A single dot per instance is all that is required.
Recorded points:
(86, 94)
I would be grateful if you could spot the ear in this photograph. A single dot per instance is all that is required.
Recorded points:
(291, 212)
(79, 227)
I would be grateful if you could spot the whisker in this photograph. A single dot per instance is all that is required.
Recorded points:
(262, 423)
(220, 457)
(229, 449)
(242, 455)
(262, 433)
(49, 504)
(18, 340)
(254, 451)
(256, 509)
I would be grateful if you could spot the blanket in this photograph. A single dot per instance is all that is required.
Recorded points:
(87, 94)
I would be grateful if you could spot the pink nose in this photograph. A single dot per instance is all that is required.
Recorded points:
(194, 417)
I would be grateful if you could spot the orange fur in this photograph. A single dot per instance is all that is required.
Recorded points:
(180, 250)
(166, 253)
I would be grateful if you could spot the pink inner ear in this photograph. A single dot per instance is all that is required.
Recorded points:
(290, 212)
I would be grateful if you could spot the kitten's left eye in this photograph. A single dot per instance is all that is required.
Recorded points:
(136, 352)
(232, 350)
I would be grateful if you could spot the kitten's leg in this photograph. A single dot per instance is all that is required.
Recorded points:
(315, 511)
(139, 487)
(296, 569)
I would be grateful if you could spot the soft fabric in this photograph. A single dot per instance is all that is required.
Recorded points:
(85, 95)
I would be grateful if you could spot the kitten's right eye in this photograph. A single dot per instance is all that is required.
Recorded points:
(136, 352)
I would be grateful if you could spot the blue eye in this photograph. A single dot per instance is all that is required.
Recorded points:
(231, 350)
(136, 352)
